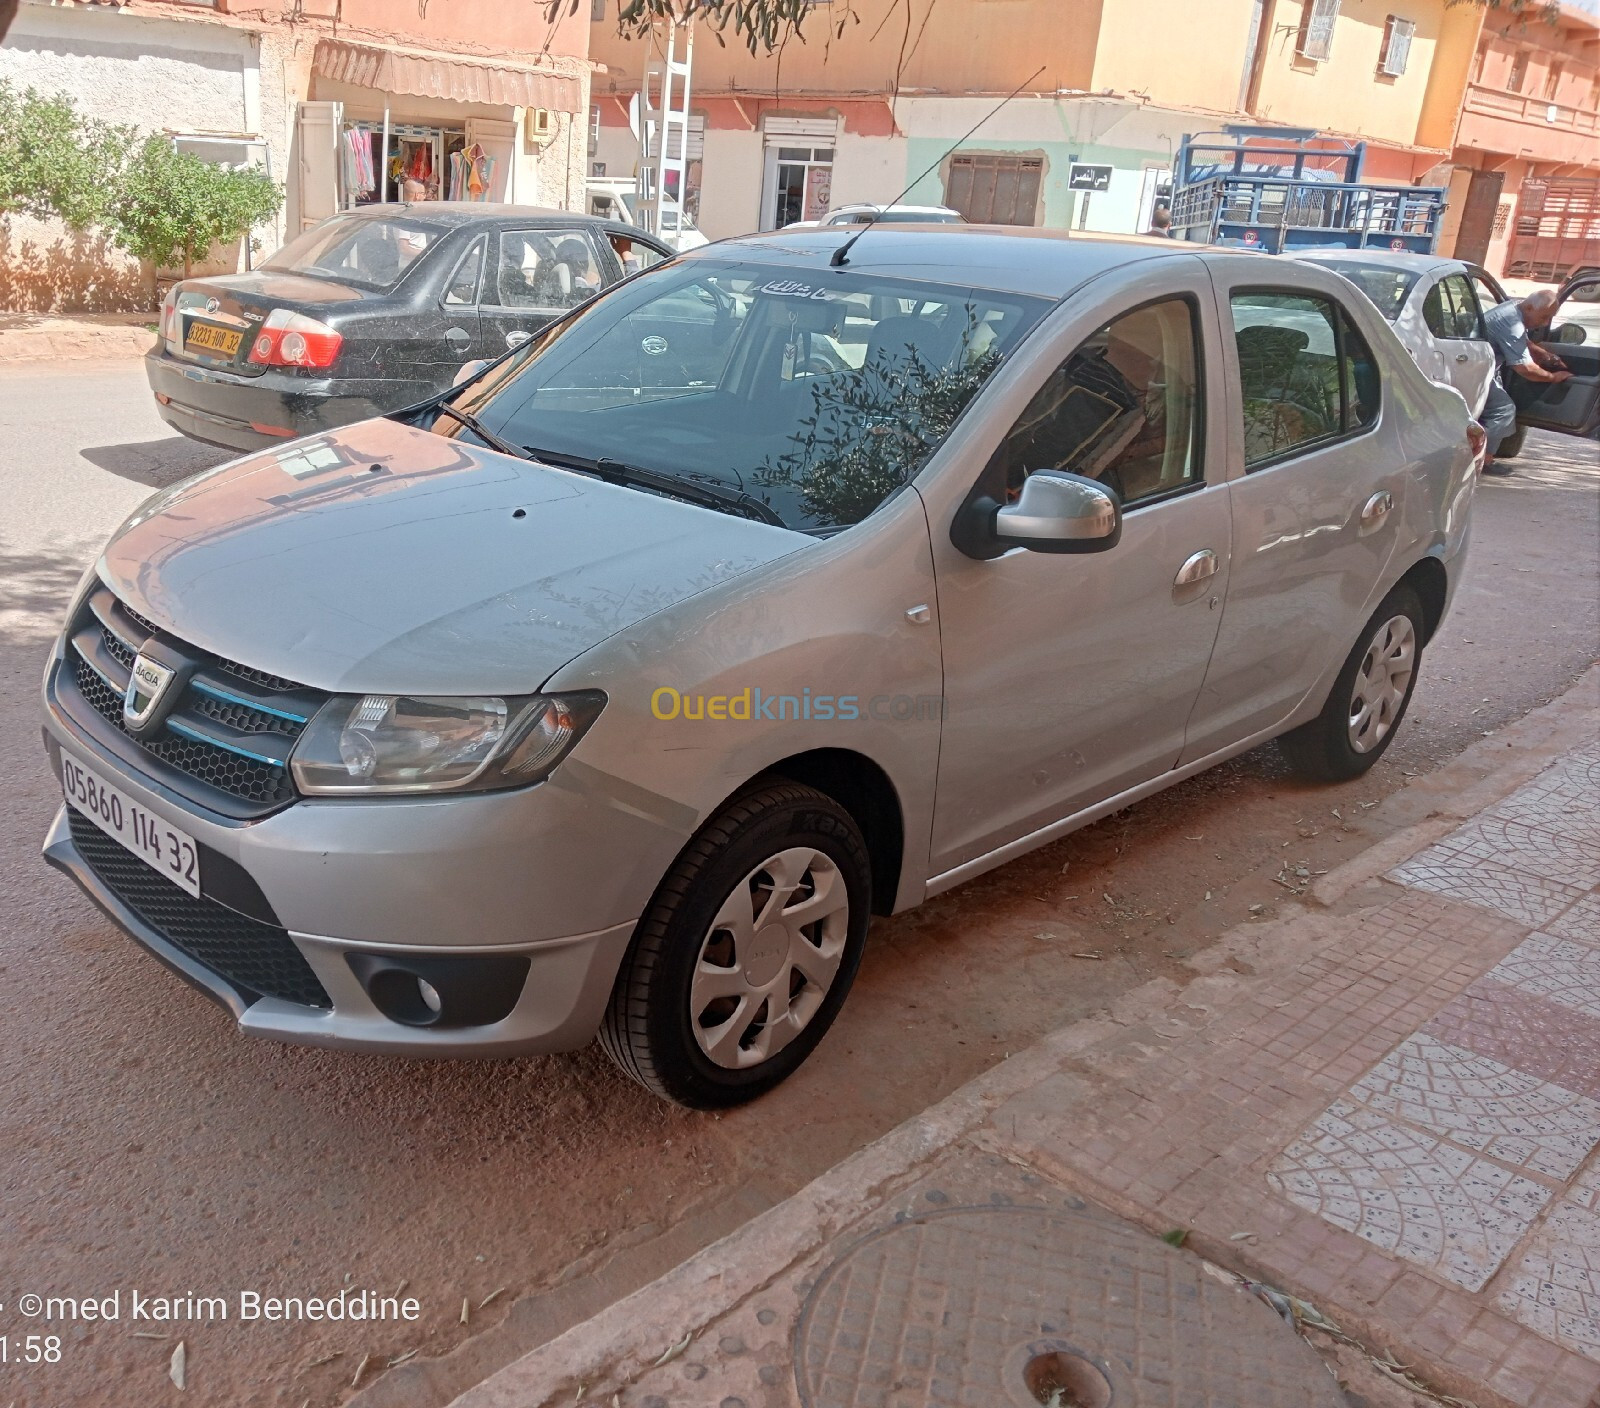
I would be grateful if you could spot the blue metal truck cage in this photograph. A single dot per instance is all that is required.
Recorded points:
(1282, 189)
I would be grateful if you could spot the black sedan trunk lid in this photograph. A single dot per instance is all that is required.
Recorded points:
(216, 319)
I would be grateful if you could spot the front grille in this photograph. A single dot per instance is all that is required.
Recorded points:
(259, 958)
(227, 771)
(227, 739)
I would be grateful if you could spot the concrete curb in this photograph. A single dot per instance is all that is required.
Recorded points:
(614, 1346)
(75, 342)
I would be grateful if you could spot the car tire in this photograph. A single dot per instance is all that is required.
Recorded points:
(1368, 699)
(1511, 446)
(691, 1014)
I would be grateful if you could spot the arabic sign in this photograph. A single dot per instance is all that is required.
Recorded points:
(1088, 178)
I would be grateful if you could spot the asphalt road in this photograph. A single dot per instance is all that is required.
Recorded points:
(145, 1145)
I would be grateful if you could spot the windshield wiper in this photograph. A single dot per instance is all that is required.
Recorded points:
(478, 428)
(695, 491)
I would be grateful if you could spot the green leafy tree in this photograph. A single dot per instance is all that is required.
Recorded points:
(56, 162)
(170, 205)
(761, 25)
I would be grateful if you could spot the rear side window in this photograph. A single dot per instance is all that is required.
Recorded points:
(1123, 409)
(546, 268)
(1451, 310)
(1306, 376)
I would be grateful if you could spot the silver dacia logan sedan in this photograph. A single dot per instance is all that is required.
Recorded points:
(782, 585)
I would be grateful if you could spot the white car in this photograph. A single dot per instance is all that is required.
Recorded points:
(618, 199)
(1434, 308)
(865, 214)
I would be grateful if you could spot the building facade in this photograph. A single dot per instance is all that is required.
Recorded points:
(882, 90)
(344, 102)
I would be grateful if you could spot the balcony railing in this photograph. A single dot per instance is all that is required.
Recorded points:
(1525, 107)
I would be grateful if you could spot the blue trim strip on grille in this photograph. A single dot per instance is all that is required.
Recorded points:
(240, 699)
(199, 737)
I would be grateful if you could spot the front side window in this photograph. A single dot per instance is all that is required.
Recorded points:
(545, 269)
(819, 395)
(1306, 375)
(355, 249)
(1122, 409)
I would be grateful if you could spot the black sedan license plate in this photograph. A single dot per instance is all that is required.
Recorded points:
(214, 341)
(158, 843)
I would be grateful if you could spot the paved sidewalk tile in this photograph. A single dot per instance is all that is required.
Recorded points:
(1445, 870)
(1481, 1104)
(1555, 1288)
(1581, 922)
(1409, 1193)
(1563, 971)
(1526, 1032)
(1558, 848)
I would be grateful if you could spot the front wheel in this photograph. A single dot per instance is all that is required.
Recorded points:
(747, 951)
(1368, 699)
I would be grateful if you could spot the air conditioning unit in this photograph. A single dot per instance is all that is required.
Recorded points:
(540, 126)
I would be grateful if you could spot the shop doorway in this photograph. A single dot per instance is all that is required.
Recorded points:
(798, 185)
(414, 163)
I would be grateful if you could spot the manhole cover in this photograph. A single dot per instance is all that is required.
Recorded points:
(989, 1306)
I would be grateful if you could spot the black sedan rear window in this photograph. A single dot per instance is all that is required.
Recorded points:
(357, 250)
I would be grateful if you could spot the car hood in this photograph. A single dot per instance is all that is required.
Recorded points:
(387, 559)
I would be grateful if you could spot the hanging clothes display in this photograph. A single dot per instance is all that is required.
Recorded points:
(356, 155)
(471, 173)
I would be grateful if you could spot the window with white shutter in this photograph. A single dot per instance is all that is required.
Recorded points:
(1397, 35)
(1315, 40)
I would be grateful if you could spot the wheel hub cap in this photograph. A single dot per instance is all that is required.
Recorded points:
(1381, 683)
(769, 958)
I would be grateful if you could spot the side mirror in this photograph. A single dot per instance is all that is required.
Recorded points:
(1055, 512)
(1571, 333)
(467, 370)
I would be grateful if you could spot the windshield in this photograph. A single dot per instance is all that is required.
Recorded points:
(819, 393)
(1387, 287)
(355, 249)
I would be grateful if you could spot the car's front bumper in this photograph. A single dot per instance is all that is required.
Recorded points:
(559, 1007)
(534, 892)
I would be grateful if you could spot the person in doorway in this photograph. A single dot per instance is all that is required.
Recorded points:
(1512, 327)
(413, 190)
(1160, 222)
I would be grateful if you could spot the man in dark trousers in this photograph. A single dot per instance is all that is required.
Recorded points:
(1511, 326)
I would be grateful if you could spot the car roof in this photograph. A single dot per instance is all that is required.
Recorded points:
(1006, 258)
(463, 212)
(881, 209)
(1396, 259)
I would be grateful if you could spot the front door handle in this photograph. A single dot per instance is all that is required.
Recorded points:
(1375, 510)
(1196, 568)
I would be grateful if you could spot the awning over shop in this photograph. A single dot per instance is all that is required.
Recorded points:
(448, 76)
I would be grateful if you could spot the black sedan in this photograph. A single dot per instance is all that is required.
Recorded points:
(374, 310)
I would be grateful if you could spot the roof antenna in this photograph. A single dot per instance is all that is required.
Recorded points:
(841, 256)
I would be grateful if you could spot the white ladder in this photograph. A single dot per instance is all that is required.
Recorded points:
(664, 126)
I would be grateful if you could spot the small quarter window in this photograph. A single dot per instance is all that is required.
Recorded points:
(463, 287)
(1122, 409)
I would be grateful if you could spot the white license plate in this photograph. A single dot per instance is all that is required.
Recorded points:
(158, 843)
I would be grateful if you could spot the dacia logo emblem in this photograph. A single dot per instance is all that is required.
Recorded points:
(148, 684)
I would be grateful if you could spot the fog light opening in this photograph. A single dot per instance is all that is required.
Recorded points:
(430, 996)
(1062, 1379)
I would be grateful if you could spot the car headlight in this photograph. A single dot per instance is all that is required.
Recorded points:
(367, 744)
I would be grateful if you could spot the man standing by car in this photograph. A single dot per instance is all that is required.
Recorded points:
(1510, 326)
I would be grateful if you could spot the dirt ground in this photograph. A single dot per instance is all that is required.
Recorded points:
(144, 1144)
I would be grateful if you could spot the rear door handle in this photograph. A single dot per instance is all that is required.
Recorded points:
(1461, 356)
(1196, 568)
(1375, 510)
(516, 339)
